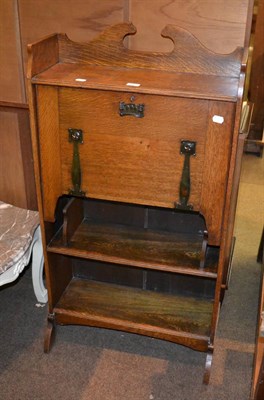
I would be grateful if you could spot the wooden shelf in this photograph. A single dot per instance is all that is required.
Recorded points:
(139, 247)
(154, 82)
(179, 319)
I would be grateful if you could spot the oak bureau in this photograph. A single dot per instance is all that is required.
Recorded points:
(137, 164)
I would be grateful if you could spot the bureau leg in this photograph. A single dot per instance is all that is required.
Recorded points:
(49, 335)
(208, 365)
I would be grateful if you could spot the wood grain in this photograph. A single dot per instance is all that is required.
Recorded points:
(82, 20)
(227, 217)
(137, 161)
(72, 218)
(179, 319)
(121, 244)
(152, 82)
(219, 24)
(27, 158)
(108, 49)
(11, 69)
(58, 280)
(131, 159)
(218, 141)
(232, 214)
(49, 149)
(17, 184)
(42, 55)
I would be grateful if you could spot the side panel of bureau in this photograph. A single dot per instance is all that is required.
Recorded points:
(49, 148)
(217, 158)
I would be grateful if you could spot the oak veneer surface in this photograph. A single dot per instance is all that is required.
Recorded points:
(11, 66)
(100, 304)
(130, 159)
(216, 167)
(58, 275)
(125, 149)
(165, 251)
(154, 82)
(221, 25)
(50, 147)
(136, 161)
(123, 159)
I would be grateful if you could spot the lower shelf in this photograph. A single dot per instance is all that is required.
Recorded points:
(180, 319)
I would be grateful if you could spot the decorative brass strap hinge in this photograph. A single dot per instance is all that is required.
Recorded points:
(76, 137)
(188, 149)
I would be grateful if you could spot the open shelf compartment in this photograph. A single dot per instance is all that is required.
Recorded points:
(130, 237)
(180, 319)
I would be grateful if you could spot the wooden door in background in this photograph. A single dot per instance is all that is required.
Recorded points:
(12, 87)
(221, 25)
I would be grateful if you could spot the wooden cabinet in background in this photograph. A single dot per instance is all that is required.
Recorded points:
(135, 156)
(255, 140)
(17, 183)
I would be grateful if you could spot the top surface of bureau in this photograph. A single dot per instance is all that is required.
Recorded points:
(140, 81)
(189, 70)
